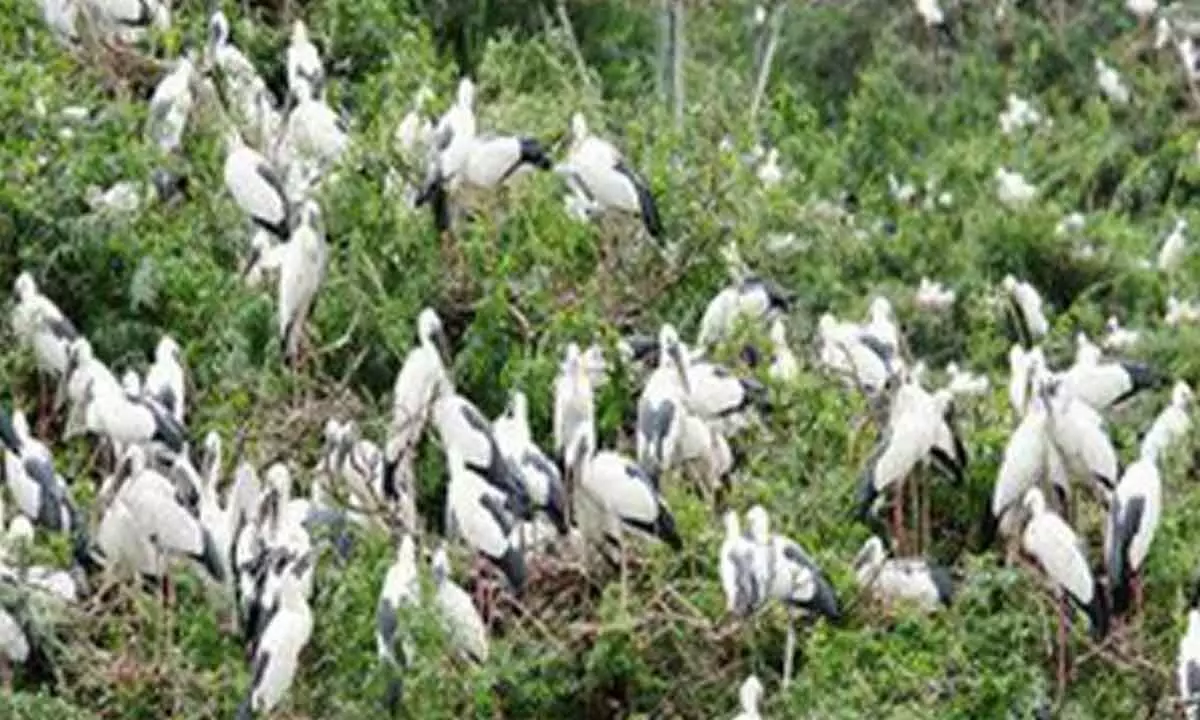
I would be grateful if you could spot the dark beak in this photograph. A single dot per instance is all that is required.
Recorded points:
(676, 352)
(443, 346)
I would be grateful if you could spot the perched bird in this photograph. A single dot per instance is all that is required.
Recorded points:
(304, 67)
(401, 589)
(933, 296)
(39, 491)
(422, 377)
(769, 172)
(1174, 247)
(248, 97)
(662, 407)
(1013, 190)
(171, 104)
(40, 325)
(301, 274)
(1132, 521)
(1060, 554)
(1117, 337)
(750, 299)
(1103, 385)
(255, 186)
(964, 383)
(784, 365)
(908, 580)
(541, 477)
(165, 379)
(743, 594)
(277, 653)
(1181, 312)
(613, 185)
(1032, 324)
(1171, 425)
(458, 614)
(1188, 665)
(1111, 84)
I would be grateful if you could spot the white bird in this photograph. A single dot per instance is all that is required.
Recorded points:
(62, 16)
(83, 370)
(1142, 9)
(415, 131)
(40, 325)
(170, 106)
(910, 580)
(421, 378)
(930, 12)
(1024, 464)
(574, 411)
(315, 137)
(965, 383)
(743, 594)
(1189, 657)
(1027, 308)
(1111, 84)
(613, 185)
(39, 491)
(1078, 431)
(1013, 190)
(662, 407)
(1181, 312)
(14, 645)
(789, 576)
(1171, 425)
(1170, 257)
(1018, 114)
(1060, 553)
(847, 351)
(881, 325)
(1087, 353)
(749, 695)
(933, 296)
(251, 101)
(541, 477)
(165, 379)
(129, 420)
(1132, 522)
(401, 590)
(626, 491)
(255, 186)
(301, 274)
(769, 172)
(453, 135)
(128, 20)
(1104, 384)
(277, 652)
(304, 67)
(785, 367)
(459, 616)
(748, 299)
(266, 256)
(1117, 337)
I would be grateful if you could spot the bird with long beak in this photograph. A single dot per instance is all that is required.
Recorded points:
(663, 407)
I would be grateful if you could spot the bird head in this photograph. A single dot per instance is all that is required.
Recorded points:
(25, 287)
(167, 349)
(432, 334)
(872, 552)
(750, 693)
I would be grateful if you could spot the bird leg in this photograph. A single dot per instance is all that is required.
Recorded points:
(45, 408)
(6, 675)
(898, 517)
(624, 582)
(1062, 646)
(789, 648)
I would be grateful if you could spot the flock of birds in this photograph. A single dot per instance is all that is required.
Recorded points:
(509, 499)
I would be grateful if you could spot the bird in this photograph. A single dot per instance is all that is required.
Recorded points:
(743, 593)
(458, 615)
(911, 580)
(1171, 425)
(422, 378)
(304, 67)
(789, 576)
(769, 173)
(844, 349)
(1119, 338)
(1013, 190)
(1027, 459)
(1181, 312)
(541, 477)
(1031, 321)
(1079, 434)
(165, 379)
(247, 92)
(1174, 247)
(126, 420)
(933, 296)
(749, 695)
(39, 491)
(1133, 520)
(1188, 664)
(613, 185)
(784, 367)
(401, 590)
(491, 160)
(255, 186)
(574, 411)
(1060, 554)
(719, 397)
(662, 406)
(39, 324)
(302, 272)
(276, 657)
(964, 383)
(1103, 385)
(748, 299)
(266, 256)
(453, 137)
(171, 104)
(1111, 84)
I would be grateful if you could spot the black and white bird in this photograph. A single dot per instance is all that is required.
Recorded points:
(467, 437)
(626, 491)
(127, 420)
(880, 328)
(721, 398)
(277, 653)
(165, 378)
(751, 299)
(1103, 385)
(1172, 424)
(612, 184)
(1026, 306)
(845, 350)
(789, 576)
(483, 517)
(743, 593)
(1132, 522)
(256, 186)
(1029, 456)
(301, 274)
(1188, 665)
(492, 160)
(39, 491)
(1060, 554)
(1080, 435)
(910, 580)
(574, 410)
(663, 406)
(247, 93)
(422, 377)
(85, 372)
(459, 616)
(304, 66)
(171, 104)
(541, 477)
(38, 323)
(401, 590)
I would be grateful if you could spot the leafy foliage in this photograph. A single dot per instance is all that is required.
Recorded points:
(859, 91)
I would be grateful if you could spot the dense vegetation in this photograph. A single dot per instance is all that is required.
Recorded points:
(859, 90)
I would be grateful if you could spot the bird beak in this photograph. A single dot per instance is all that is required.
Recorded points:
(681, 365)
(860, 558)
(443, 346)
(251, 262)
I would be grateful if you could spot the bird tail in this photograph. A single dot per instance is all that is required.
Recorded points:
(394, 694)
(244, 712)
(210, 557)
(826, 601)
(988, 526)
(1098, 613)
(664, 528)
(866, 497)
(532, 153)
(512, 564)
